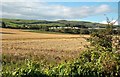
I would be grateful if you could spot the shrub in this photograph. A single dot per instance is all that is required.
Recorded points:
(90, 64)
(29, 69)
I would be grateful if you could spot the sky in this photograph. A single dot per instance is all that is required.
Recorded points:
(60, 10)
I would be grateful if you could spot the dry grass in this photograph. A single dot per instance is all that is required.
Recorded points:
(51, 47)
(12, 34)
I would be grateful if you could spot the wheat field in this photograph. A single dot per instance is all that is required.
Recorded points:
(50, 47)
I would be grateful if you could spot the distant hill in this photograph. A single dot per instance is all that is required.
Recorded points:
(62, 26)
(81, 24)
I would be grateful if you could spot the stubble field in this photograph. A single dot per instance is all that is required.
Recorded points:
(19, 45)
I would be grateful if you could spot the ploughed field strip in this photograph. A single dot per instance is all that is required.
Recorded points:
(40, 45)
(12, 34)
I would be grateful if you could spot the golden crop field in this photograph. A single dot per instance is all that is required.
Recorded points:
(51, 47)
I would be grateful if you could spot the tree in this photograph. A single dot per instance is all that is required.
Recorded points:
(3, 25)
(102, 39)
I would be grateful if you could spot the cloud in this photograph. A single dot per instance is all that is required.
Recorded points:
(105, 22)
(60, 0)
(102, 8)
(22, 0)
(42, 10)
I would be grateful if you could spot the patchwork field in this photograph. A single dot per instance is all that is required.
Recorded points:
(51, 47)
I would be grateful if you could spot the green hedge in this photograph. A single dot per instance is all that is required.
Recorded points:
(91, 63)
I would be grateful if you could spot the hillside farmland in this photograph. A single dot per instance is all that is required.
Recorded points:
(41, 46)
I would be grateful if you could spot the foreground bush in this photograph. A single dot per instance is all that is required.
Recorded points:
(91, 63)
(29, 69)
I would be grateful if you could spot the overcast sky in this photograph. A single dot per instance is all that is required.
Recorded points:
(84, 11)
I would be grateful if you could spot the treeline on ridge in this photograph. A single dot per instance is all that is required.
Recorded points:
(62, 26)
